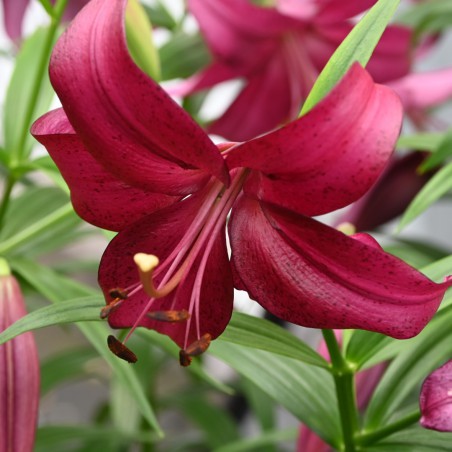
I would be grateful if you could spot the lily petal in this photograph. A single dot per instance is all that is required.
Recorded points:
(97, 196)
(425, 89)
(13, 14)
(310, 274)
(329, 157)
(436, 399)
(117, 269)
(331, 11)
(125, 119)
(247, 116)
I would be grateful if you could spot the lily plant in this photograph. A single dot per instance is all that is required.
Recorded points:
(137, 163)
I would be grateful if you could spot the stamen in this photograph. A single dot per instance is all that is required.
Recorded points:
(194, 349)
(118, 295)
(120, 350)
(169, 316)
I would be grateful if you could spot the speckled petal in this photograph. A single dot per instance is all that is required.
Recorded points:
(313, 275)
(98, 196)
(331, 156)
(126, 120)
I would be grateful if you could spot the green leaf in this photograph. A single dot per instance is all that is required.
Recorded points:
(268, 438)
(443, 151)
(261, 404)
(195, 368)
(69, 365)
(429, 16)
(421, 141)
(139, 40)
(436, 187)
(69, 311)
(357, 46)
(414, 361)
(218, 426)
(57, 288)
(21, 91)
(306, 391)
(47, 166)
(160, 16)
(264, 335)
(183, 55)
(71, 437)
(414, 440)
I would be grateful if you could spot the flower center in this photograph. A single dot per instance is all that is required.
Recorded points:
(195, 246)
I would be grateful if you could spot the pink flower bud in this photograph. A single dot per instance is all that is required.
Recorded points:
(19, 373)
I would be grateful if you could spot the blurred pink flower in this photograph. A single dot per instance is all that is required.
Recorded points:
(19, 374)
(278, 51)
(436, 399)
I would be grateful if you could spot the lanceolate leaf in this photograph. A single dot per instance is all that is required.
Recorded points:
(411, 365)
(420, 141)
(57, 288)
(264, 335)
(357, 46)
(306, 391)
(414, 440)
(436, 187)
(443, 151)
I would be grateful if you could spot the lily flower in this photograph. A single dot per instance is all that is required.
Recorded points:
(436, 399)
(19, 372)
(278, 51)
(137, 163)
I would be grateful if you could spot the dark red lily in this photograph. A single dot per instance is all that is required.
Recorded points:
(138, 164)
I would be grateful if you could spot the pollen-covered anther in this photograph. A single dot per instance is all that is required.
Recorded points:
(120, 350)
(194, 349)
(169, 316)
(118, 296)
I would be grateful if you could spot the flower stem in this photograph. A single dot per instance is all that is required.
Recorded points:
(6, 197)
(343, 376)
(367, 438)
(42, 69)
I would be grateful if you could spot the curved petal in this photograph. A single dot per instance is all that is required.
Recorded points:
(98, 197)
(332, 11)
(312, 275)
(436, 399)
(392, 57)
(117, 269)
(126, 121)
(13, 15)
(249, 116)
(230, 33)
(424, 90)
(329, 157)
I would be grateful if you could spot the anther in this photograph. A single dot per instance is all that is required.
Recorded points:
(120, 350)
(194, 349)
(118, 296)
(169, 316)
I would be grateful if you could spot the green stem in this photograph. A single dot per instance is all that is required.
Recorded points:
(10, 182)
(367, 438)
(36, 229)
(343, 376)
(37, 83)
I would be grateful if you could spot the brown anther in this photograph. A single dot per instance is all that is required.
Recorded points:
(120, 350)
(117, 292)
(184, 359)
(194, 349)
(169, 316)
(110, 307)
